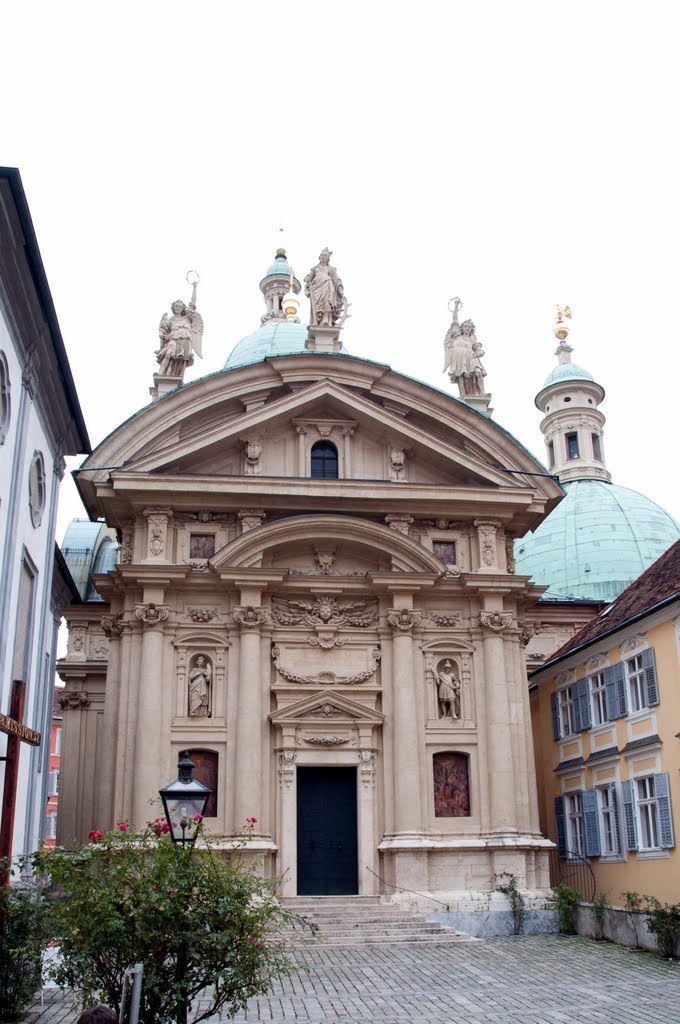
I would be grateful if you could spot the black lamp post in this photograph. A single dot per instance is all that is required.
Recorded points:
(184, 802)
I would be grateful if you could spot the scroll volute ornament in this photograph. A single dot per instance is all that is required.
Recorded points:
(404, 619)
(152, 614)
(496, 621)
(251, 618)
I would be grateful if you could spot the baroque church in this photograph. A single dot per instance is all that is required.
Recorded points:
(316, 596)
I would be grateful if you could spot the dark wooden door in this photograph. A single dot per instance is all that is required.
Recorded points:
(327, 831)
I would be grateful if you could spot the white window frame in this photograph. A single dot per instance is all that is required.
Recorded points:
(57, 741)
(574, 822)
(598, 701)
(636, 691)
(566, 699)
(647, 814)
(607, 822)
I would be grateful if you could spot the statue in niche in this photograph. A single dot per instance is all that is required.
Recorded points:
(180, 335)
(200, 682)
(326, 294)
(448, 689)
(462, 355)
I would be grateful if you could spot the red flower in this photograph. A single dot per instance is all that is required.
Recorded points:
(197, 817)
(123, 825)
(96, 835)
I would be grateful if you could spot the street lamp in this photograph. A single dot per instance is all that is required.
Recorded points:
(184, 802)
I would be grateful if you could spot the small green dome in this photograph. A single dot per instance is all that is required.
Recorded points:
(280, 266)
(567, 371)
(596, 542)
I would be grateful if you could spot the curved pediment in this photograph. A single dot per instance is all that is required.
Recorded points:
(369, 545)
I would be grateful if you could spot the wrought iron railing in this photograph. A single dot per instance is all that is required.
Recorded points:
(576, 871)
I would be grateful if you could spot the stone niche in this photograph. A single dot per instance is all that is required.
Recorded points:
(460, 714)
(213, 648)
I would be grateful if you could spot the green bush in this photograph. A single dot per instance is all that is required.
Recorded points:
(517, 901)
(664, 923)
(634, 902)
(192, 917)
(566, 899)
(599, 905)
(21, 939)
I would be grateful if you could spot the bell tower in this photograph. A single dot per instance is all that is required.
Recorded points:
(572, 425)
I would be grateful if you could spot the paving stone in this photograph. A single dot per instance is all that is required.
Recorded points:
(516, 980)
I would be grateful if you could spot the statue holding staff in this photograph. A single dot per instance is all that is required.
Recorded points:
(326, 293)
(180, 335)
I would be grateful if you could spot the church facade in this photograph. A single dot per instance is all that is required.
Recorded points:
(315, 595)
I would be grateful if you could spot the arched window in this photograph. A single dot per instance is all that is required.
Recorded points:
(324, 461)
(451, 785)
(36, 488)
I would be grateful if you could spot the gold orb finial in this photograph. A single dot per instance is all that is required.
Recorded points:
(561, 329)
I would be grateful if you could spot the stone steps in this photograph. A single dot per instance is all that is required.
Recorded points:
(362, 920)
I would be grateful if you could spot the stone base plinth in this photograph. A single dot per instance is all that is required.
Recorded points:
(323, 339)
(163, 385)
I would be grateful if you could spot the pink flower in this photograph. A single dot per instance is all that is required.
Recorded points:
(123, 825)
(197, 817)
(96, 835)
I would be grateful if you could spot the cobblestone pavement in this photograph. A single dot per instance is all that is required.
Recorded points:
(518, 980)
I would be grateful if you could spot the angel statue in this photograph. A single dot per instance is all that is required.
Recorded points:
(462, 355)
(180, 335)
(326, 294)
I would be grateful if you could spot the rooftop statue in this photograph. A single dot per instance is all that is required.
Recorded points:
(326, 294)
(180, 335)
(462, 355)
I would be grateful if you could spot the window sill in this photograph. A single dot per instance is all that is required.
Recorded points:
(612, 858)
(652, 854)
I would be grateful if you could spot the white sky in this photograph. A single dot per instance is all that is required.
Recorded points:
(516, 154)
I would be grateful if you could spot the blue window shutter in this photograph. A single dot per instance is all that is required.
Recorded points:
(583, 704)
(590, 822)
(650, 677)
(560, 826)
(615, 691)
(663, 804)
(614, 798)
(628, 792)
(555, 715)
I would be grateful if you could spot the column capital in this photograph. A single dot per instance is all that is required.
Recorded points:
(249, 617)
(403, 619)
(113, 626)
(151, 614)
(495, 621)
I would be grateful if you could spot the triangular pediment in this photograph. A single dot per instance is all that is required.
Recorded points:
(327, 706)
(324, 408)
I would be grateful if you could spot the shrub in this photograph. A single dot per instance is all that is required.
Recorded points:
(600, 904)
(192, 917)
(664, 923)
(566, 899)
(633, 908)
(21, 939)
(517, 901)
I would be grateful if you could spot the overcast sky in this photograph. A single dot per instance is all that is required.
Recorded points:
(517, 154)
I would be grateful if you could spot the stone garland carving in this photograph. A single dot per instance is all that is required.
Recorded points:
(397, 464)
(200, 687)
(325, 611)
(326, 711)
(404, 619)
(251, 618)
(202, 614)
(438, 524)
(496, 621)
(113, 626)
(75, 701)
(510, 555)
(157, 519)
(529, 630)
(443, 618)
(399, 522)
(126, 537)
(486, 530)
(325, 640)
(223, 518)
(152, 614)
(326, 678)
(326, 741)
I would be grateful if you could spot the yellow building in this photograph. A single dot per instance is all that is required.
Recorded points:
(606, 721)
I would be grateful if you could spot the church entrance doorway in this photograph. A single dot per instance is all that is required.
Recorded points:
(327, 863)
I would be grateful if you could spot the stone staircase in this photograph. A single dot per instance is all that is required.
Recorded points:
(362, 921)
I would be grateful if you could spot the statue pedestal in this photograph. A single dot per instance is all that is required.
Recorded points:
(163, 385)
(323, 339)
(482, 403)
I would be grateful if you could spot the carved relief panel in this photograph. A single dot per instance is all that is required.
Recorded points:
(201, 534)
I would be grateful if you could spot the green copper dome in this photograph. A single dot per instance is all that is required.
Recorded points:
(597, 541)
(280, 266)
(567, 371)
(274, 338)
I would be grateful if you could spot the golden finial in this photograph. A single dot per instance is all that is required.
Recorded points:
(561, 329)
(290, 303)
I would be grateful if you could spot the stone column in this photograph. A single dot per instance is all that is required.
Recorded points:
(148, 731)
(302, 436)
(248, 782)
(407, 743)
(501, 767)
(113, 629)
(347, 452)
